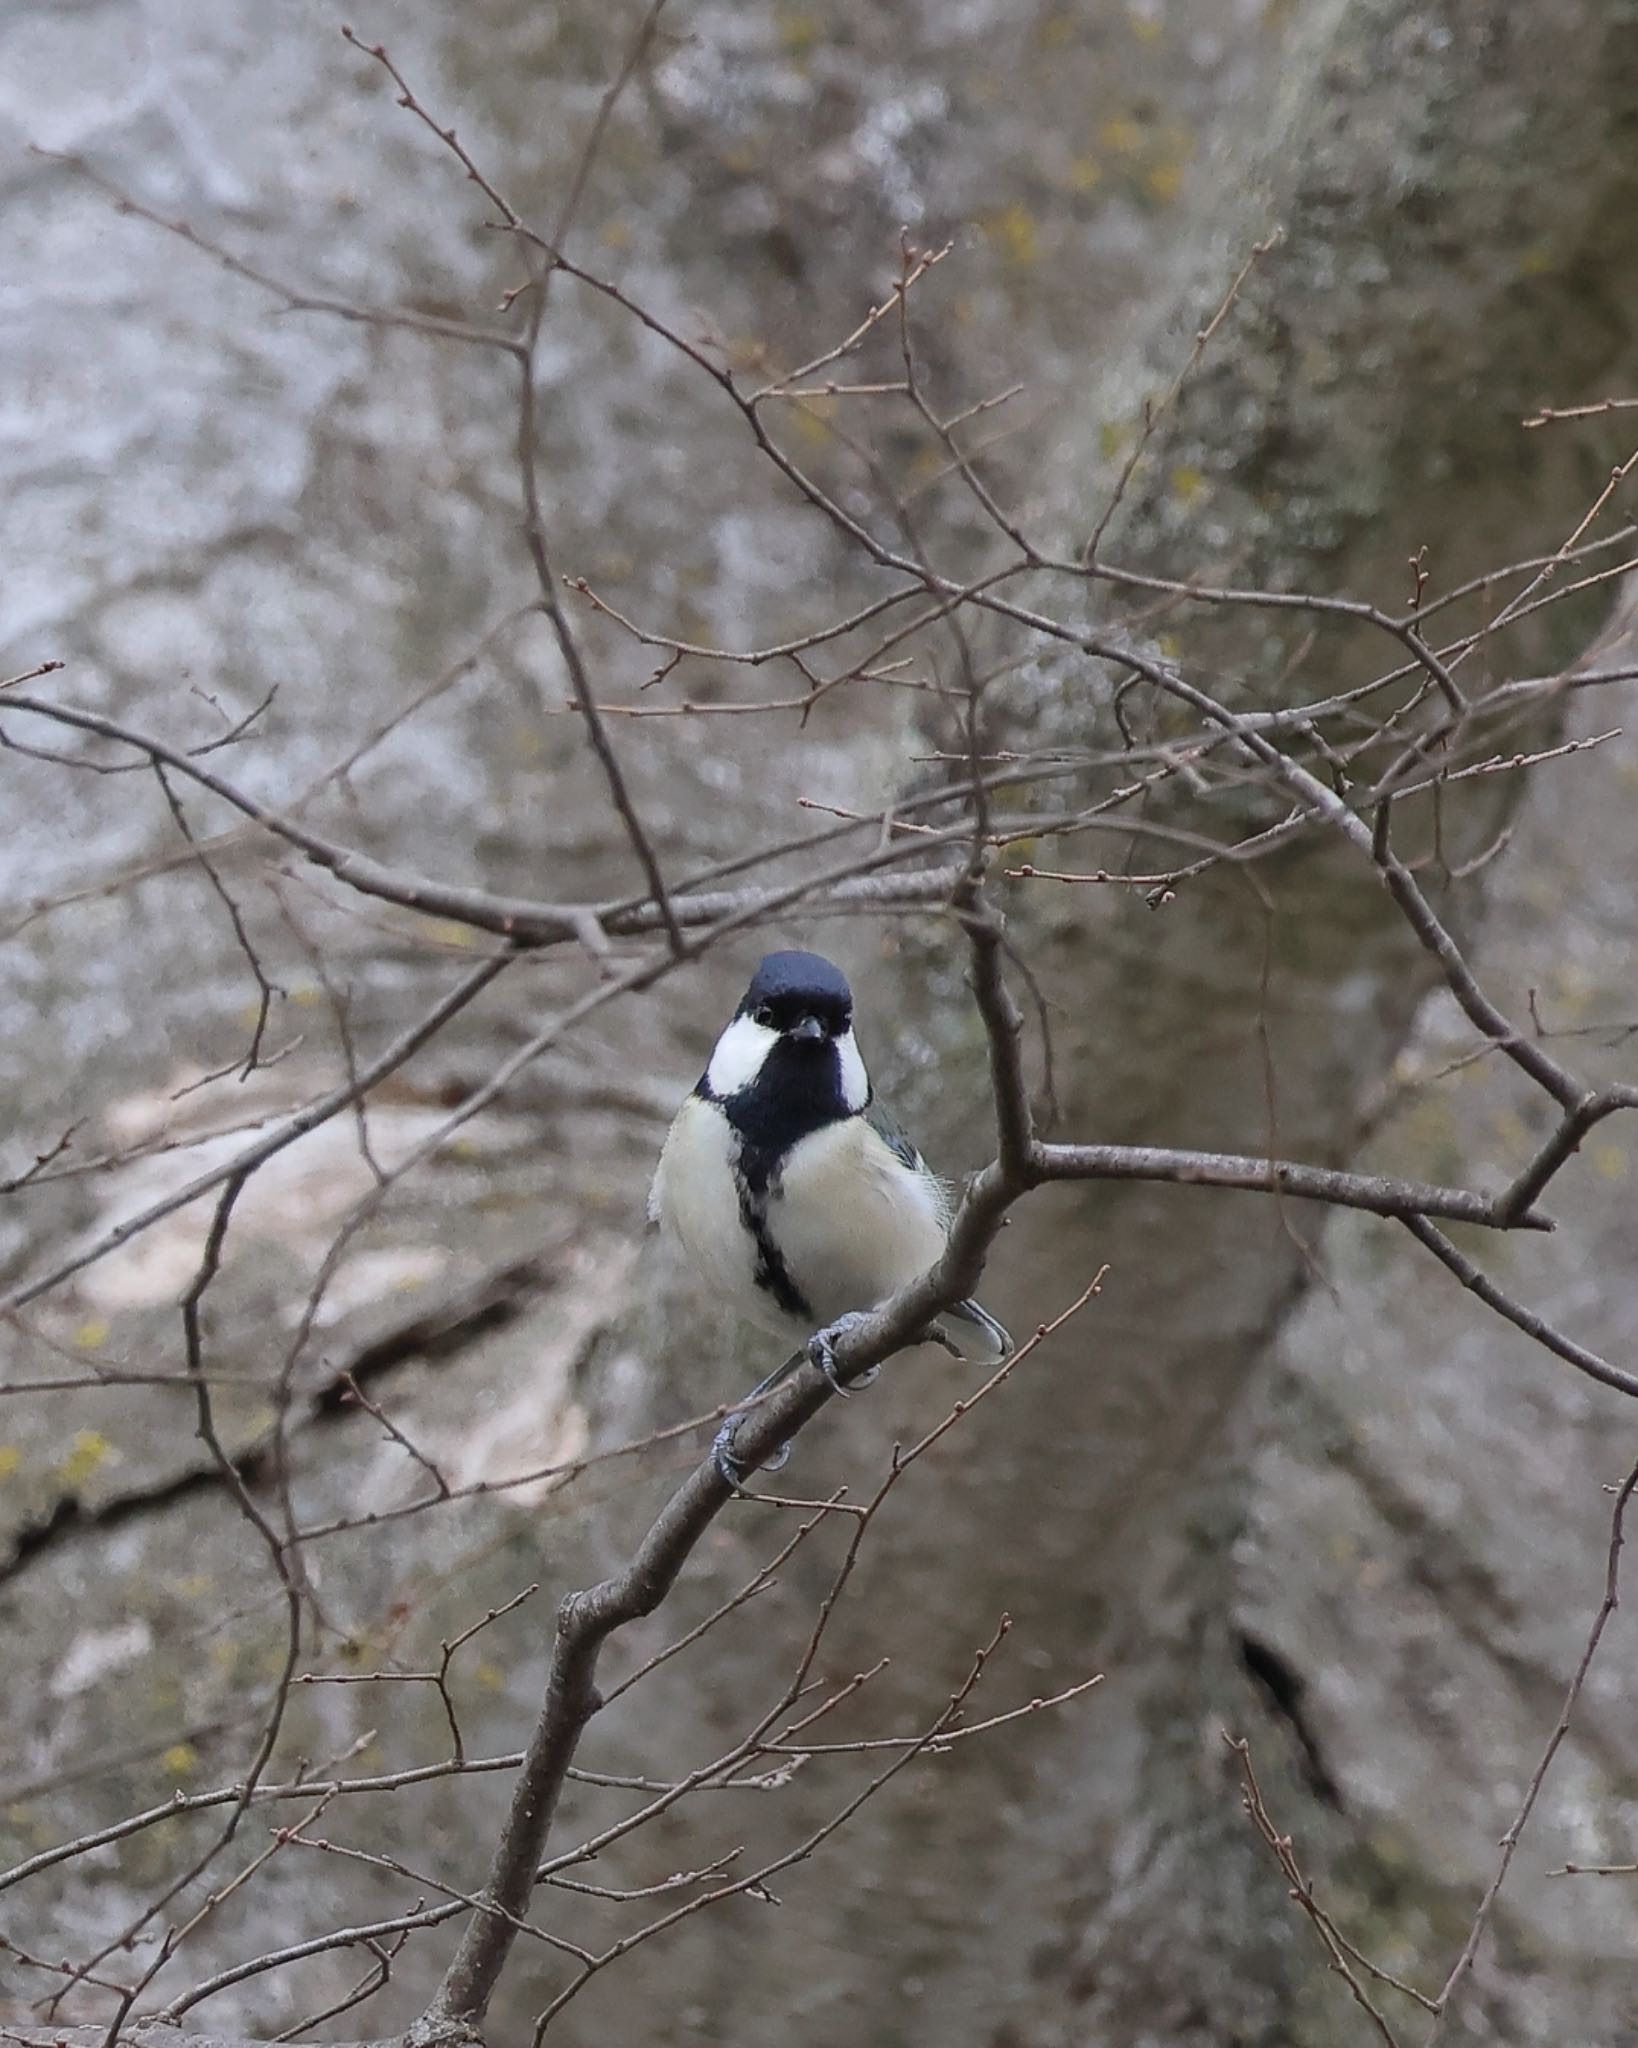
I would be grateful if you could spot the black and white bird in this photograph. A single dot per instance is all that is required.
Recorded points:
(798, 1199)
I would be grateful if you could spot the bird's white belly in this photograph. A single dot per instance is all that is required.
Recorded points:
(695, 1200)
(853, 1222)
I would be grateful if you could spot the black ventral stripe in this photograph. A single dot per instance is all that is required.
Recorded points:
(797, 1092)
(771, 1273)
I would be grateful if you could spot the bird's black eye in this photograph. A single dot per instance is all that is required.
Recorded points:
(762, 1014)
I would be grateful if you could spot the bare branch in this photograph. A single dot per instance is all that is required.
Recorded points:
(1510, 1840)
(1342, 1953)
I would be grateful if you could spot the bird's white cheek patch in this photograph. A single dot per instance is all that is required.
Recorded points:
(738, 1057)
(855, 1081)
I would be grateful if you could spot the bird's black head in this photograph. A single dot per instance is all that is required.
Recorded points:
(787, 1063)
(801, 996)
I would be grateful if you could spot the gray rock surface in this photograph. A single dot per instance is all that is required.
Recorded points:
(1358, 1520)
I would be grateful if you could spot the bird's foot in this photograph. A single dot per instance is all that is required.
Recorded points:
(822, 1351)
(731, 1472)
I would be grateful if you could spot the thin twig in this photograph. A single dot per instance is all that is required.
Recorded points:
(1510, 1841)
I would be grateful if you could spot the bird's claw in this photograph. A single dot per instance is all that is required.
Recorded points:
(822, 1352)
(722, 1456)
(729, 1470)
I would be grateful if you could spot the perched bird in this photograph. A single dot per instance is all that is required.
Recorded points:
(799, 1200)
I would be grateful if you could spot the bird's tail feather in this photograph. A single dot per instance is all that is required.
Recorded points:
(995, 1341)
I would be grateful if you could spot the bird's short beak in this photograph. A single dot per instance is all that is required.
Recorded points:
(809, 1028)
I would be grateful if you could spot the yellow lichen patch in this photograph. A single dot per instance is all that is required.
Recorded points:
(307, 995)
(616, 235)
(1512, 1133)
(1164, 181)
(180, 1759)
(444, 931)
(1572, 986)
(36, 1828)
(1084, 172)
(751, 352)
(799, 31)
(91, 1335)
(1011, 229)
(1609, 1161)
(810, 427)
(10, 1458)
(87, 1454)
(488, 1675)
(1121, 135)
(1145, 24)
(1187, 482)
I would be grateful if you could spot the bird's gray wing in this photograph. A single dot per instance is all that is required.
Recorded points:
(893, 1135)
(994, 1342)
(899, 1142)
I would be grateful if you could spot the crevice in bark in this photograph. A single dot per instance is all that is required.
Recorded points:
(490, 1304)
(1282, 1690)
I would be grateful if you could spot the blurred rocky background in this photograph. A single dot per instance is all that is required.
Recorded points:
(1284, 1477)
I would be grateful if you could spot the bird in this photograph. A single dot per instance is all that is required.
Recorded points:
(796, 1197)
